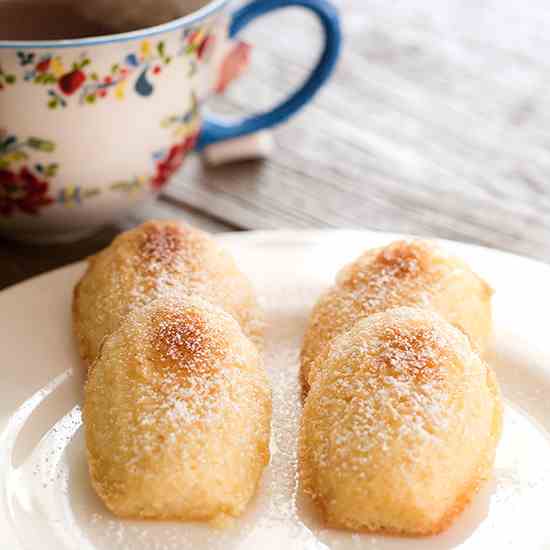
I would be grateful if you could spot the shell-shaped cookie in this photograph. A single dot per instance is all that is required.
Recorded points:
(150, 261)
(403, 273)
(400, 426)
(177, 414)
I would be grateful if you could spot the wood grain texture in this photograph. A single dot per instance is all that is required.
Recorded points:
(436, 123)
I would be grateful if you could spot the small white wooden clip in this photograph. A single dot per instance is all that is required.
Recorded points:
(253, 146)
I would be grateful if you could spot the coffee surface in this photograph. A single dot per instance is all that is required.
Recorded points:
(39, 20)
(47, 22)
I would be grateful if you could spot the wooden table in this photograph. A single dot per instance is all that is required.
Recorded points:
(436, 123)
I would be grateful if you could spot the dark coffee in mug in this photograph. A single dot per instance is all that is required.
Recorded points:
(63, 19)
(45, 22)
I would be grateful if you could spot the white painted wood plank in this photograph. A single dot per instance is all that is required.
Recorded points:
(436, 123)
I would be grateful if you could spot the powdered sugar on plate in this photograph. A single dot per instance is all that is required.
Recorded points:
(50, 505)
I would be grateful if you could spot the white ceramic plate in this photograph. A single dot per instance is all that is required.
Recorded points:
(46, 502)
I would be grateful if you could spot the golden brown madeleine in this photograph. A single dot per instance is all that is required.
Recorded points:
(400, 426)
(154, 259)
(403, 273)
(177, 414)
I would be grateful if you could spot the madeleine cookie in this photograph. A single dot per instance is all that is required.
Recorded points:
(177, 414)
(400, 425)
(401, 274)
(152, 260)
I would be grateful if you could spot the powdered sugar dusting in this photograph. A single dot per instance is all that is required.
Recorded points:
(384, 277)
(172, 386)
(290, 273)
(156, 259)
(400, 274)
(404, 357)
(276, 507)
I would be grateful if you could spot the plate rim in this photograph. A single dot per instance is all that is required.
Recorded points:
(286, 239)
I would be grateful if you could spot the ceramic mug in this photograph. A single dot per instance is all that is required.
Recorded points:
(90, 127)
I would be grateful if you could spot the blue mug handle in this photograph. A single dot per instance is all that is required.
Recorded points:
(215, 130)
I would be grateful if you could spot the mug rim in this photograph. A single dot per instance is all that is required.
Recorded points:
(181, 22)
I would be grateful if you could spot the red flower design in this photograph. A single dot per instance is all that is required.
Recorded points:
(44, 65)
(70, 82)
(23, 191)
(206, 47)
(173, 160)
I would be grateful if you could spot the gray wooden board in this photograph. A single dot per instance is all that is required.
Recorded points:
(436, 123)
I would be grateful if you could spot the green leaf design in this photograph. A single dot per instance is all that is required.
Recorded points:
(10, 79)
(94, 76)
(44, 145)
(86, 193)
(119, 185)
(85, 62)
(52, 104)
(115, 68)
(167, 59)
(19, 155)
(194, 104)
(125, 186)
(167, 122)
(7, 141)
(51, 170)
(90, 98)
(160, 48)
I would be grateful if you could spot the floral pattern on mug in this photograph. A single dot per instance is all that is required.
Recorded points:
(6, 79)
(24, 186)
(73, 195)
(133, 185)
(173, 160)
(185, 129)
(65, 78)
